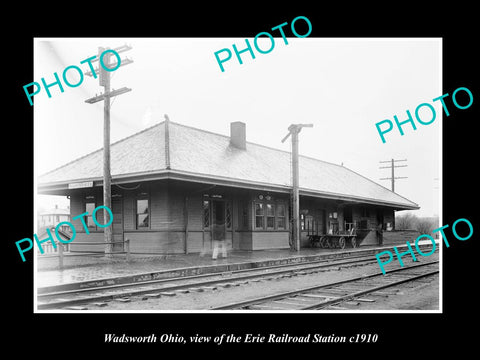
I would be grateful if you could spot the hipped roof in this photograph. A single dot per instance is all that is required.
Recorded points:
(191, 154)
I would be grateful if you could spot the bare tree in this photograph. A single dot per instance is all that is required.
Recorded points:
(405, 222)
(423, 225)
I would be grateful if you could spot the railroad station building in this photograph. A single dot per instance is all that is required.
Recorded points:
(172, 184)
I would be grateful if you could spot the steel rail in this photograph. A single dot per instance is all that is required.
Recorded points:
(260, 273)
(363, 292)
(323, 263)
(286, 294)
(210, 274)
(365, 253)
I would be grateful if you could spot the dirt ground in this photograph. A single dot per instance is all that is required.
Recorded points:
(421, 295)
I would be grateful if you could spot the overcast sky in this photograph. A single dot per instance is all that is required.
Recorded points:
(342, 86)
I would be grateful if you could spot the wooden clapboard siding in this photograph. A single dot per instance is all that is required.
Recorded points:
(159, 203)
(128, 211)
(195, 241)
(176, 208)
(172, 201)
(245, 240)
(76, 206)
(154, 242)
(262, 240)
(195, 212)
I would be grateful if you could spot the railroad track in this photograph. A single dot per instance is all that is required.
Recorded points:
(335, 293)
(98, 296)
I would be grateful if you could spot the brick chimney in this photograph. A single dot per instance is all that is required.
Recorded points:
(238, 137)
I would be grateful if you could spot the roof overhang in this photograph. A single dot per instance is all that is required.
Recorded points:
(62, 187)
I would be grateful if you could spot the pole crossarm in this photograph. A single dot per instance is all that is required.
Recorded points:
(392, 167)
(119, 50)
(295, 129)
(396, 177)
(111, 94)
(125, 61)
(389, 167)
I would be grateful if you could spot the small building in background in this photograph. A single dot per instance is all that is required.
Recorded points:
(52, 217)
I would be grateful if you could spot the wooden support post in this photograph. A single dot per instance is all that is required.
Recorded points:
(293, 131)
(60, 255)
(107, 195)
(296, 206)
(127, 248)
(104, 80)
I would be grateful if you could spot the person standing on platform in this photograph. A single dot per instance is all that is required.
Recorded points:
(219, 241)
(380, 234)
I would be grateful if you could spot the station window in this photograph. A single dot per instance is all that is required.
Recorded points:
(270, 216)
(244, 220)
(281, 217)
(228, 215)
(206, 213)
(259, 215)
(143, 220)
(89, 207)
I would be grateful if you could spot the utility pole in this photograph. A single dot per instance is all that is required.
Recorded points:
(393, 166)
(104, 80)
(294, 130)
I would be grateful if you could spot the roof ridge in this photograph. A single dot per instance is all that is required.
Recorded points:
(253, 143)
(95, 151)
(301, 156)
